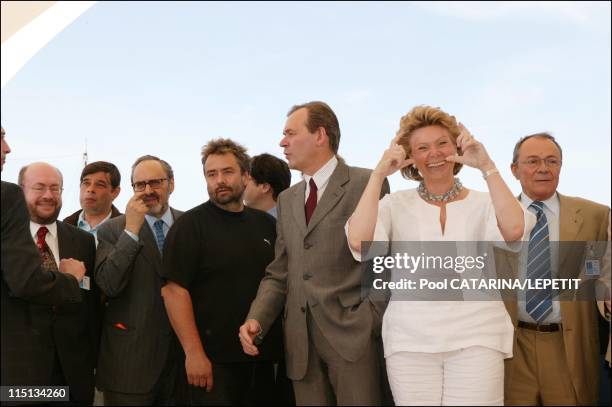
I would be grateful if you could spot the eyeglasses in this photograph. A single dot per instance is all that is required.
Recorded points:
(42, 188)
(153, 183)
(535, 162)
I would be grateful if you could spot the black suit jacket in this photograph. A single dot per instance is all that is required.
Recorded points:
(75, 327)
(24, 358)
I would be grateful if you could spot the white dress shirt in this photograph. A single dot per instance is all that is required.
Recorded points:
(50, 238)
(321, 178)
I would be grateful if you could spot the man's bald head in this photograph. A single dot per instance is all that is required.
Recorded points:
(42, 187)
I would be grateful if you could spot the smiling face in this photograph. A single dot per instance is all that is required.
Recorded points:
(429, 146)
(42, 187)
(225, 181)
(539, 182)
(156, 199)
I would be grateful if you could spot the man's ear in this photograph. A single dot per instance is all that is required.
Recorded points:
(322, 139)
(514, 169)
(115, 192)
(265, 187)
(171, 185)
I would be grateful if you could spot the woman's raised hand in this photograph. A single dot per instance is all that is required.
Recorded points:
(393, 159)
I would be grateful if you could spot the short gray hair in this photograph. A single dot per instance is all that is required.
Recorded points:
(545, 135)
(167, 168)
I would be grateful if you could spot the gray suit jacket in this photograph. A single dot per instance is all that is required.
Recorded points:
(314, 268)
(136, 333)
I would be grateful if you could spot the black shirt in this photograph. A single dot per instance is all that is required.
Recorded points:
(221, 257)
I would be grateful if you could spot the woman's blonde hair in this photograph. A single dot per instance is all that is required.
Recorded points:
(419, 117)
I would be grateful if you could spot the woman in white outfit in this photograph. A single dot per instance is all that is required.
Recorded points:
(441, 352)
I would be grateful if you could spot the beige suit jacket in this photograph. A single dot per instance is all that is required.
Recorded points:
(314, 269)
(579, 220)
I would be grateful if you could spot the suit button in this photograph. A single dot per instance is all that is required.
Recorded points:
(307, 246)
(306, 276)
(303, 309)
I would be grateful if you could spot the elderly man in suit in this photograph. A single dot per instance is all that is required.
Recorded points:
(137, 364)
(556, 350)
(73, 327)
(25, 281)
(331, 351)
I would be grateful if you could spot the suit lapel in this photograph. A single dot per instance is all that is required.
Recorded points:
(570, 222)
(64, 241)
(333, 193)
(297, 207)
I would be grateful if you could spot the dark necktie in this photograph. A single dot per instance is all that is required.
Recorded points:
(539, 302)
(311, 202)
(49, 263)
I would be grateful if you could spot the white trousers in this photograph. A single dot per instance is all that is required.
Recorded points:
(470, 376)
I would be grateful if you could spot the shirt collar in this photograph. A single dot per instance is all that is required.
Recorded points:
(82, 222)
(52, 227)
(552, 203)
(273, 211)
(166, 217)
(321, 177)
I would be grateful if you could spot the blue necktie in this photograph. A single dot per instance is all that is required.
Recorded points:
(159, 234)
(539, 302)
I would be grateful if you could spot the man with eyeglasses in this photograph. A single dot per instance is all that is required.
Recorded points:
(73, 328)
(138, 363)
(556, 342)
(100, 185)
(25, 281)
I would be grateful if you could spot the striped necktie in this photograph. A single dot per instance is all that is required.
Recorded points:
(159, 234)
(539, 302)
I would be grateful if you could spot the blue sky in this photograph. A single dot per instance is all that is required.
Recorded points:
(164, 78)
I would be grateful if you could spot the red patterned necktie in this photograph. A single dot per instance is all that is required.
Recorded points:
(48, 259)
(311, 202)
(41, 243)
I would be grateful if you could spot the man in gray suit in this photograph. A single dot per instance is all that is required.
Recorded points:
(332, 354)
(137, 364)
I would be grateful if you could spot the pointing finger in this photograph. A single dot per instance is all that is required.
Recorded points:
(455, 159)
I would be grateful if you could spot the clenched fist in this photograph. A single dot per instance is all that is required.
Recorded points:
(248, 331)
(135, 212)
(73, 267)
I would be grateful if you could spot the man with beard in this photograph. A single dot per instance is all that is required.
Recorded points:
(100, 185)
(26, 281)
(73, 328)
(214, 259)
(137, 364)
